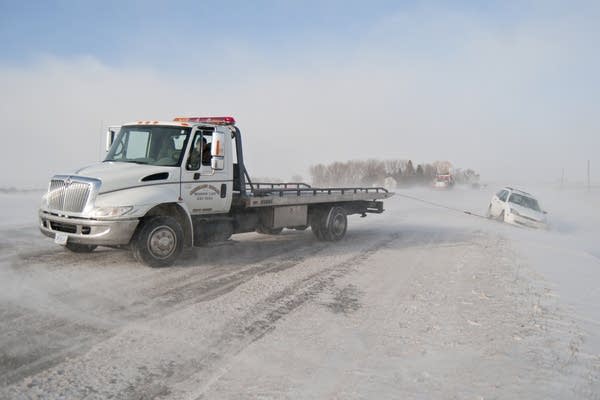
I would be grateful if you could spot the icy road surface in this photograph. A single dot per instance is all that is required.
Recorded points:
(418, 302)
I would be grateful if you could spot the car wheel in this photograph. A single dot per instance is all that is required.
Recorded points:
(159, 242)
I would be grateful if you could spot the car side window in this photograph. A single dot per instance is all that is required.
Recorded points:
(503, 195)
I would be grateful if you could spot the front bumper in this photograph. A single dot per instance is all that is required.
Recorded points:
(88, 231)
(524, 221)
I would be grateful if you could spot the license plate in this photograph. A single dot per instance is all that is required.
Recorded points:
(61, 238)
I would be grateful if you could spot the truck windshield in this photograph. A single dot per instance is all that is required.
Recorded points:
(153, 145)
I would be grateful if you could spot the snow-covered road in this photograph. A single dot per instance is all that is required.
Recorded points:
(416, 303)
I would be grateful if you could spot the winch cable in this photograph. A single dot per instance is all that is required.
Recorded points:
(440, 205)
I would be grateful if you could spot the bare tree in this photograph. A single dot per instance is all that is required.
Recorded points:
(374, 172)
(297, 178)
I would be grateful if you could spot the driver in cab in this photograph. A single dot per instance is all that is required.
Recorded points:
(200, 155)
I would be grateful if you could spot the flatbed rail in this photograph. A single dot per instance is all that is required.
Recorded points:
(285, 196)
(276, 185)
(314, 191)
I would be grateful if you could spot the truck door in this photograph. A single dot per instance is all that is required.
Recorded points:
(204, 189)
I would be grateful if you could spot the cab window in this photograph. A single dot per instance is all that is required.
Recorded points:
(200, 151)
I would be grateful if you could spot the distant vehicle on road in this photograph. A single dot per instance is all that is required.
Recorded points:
(443, 181)
(518, 208)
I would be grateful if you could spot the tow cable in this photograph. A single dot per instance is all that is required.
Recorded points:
(441, 205)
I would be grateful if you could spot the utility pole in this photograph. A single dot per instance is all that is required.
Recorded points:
(562, 179)
(588, 175)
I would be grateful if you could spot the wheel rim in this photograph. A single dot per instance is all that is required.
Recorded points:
(338, 225)
(162, 242)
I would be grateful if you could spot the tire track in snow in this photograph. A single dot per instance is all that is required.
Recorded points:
(262, 319)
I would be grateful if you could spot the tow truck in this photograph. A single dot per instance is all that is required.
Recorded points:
(168, 185)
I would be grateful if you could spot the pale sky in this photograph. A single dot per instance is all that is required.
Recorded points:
(510, 89)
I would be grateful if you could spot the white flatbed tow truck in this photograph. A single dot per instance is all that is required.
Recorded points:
(168, 185)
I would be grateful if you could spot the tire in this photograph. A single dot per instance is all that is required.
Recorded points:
(159, 242)
(80, 248)
(330, 225)
(268, 231)
(317, 224)
(336, 224)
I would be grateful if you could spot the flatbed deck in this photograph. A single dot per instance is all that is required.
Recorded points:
(286, 194)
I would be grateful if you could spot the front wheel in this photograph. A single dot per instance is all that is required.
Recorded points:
(80, 248)
(159, 242)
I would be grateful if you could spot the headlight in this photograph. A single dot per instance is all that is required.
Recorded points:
(104, 212)
(515, 212)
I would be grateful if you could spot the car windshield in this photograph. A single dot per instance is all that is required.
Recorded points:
(153, 145)
(524, 201)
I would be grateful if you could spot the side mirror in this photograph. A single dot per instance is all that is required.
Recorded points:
(217, 151)
(111, 134)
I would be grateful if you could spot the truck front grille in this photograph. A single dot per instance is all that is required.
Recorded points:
(68, 195)
(61, 227)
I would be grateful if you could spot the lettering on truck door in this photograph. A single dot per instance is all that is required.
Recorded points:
(204, 190)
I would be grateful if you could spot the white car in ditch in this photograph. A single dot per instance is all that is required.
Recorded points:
(518, 208)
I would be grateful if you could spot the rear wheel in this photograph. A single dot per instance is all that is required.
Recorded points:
(329, 225)
(317, 224)
(80, 248)
(159, 241)
(337, 224)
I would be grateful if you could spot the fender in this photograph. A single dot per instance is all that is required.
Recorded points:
(145, 199)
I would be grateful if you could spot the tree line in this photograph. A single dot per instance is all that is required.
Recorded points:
(391, 173)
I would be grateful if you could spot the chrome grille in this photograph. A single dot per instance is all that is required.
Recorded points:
(68, 195)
